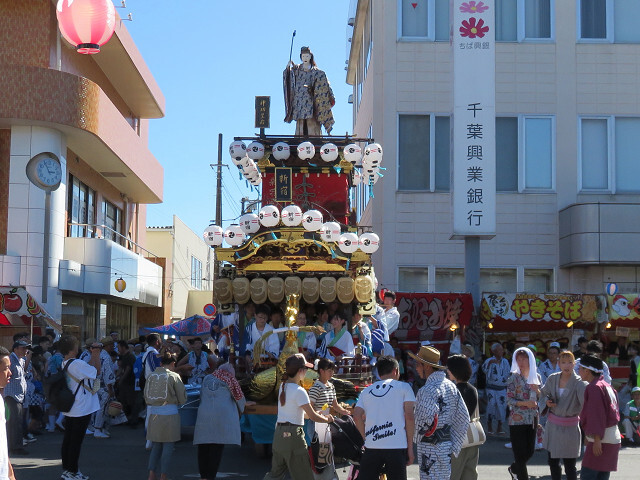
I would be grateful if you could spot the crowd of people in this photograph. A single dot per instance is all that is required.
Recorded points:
(418, 405)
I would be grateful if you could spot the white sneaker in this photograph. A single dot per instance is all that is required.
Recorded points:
(67, 475)
(100, 434)
(88, 432)
(507, 445)
(81, 476)
(539, 446)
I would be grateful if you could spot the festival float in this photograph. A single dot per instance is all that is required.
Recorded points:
(303, 247)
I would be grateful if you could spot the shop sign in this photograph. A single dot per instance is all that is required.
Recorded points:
(548, 307)
(624, 306)
(473, 139)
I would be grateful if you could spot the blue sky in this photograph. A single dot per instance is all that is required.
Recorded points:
(211, 58)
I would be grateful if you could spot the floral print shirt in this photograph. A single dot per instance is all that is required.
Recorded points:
(518, 390)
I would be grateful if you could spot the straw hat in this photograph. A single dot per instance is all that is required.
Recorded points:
(429, 356)
(470, 351)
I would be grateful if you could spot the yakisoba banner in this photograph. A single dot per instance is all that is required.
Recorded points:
(548, 307)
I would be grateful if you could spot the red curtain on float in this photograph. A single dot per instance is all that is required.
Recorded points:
(328, 191)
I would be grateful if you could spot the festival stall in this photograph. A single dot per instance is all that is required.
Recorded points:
(539, 319)
(20, 310)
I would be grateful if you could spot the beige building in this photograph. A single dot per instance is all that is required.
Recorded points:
(567, 128)
(188, 269)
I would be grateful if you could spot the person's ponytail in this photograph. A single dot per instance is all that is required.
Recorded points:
(283, 394)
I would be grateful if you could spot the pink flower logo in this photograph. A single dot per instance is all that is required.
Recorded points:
(473, 7)
(472, 29)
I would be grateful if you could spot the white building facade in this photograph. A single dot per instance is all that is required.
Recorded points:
(567, 132)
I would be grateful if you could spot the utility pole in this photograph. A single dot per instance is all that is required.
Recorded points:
(218, 221)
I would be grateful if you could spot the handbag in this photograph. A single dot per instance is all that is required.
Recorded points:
(321, 447)
(475, 432)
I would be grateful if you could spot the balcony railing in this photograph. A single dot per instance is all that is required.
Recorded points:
(93, 230)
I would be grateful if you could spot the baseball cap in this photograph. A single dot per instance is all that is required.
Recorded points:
(635, 389)
(20, 343)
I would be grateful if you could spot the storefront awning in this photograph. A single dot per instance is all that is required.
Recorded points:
(18, 308)
(518, 312)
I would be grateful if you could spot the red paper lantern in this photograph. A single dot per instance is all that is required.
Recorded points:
(86, 24)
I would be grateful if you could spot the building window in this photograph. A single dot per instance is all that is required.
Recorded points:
(419, 140)
(608, 154)
(196, 273)
(525, 153)
(491, 280)
(424, 20)
(524, 20)
(413, 279)
(112, 220)
(608, 20)
(81, 209)
(538, 280)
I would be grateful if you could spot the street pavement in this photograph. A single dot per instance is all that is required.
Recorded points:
(123, 457)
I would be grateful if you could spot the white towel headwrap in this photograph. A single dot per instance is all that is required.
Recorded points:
(533, 369)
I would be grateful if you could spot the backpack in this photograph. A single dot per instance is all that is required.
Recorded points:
(138, 372)
(57, 391)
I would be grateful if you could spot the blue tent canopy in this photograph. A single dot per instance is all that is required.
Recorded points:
(192, 326)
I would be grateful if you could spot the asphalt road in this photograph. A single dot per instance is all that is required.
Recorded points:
(123, 457)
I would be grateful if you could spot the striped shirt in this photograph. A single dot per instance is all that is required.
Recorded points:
(319, 394)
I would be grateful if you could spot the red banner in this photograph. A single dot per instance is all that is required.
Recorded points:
(428, 316)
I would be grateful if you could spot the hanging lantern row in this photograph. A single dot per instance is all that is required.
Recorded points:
(291, 216)
(86, 24)
(242, 156)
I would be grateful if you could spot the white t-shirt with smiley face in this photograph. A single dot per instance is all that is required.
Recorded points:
(383, 405)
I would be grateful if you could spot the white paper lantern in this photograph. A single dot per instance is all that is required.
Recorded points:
(369, 242)
(281, 151)
(348, 242)
(213, 235)
(292, 215)
(255, 150)
(241, 161)
(250, 223)
(330, 231)
(237, 150)
(306, 150)
(234, 235)
(372, 154)
(312, 220)
(250, 170)
(329, 152)
(269, 215)
(352, 153)
(256, 181)
(357, 178)
(370, 179)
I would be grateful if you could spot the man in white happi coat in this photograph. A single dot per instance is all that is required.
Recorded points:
(497, 370)
(256, 330)
(441, 417)
(107, 379)
(388, 314)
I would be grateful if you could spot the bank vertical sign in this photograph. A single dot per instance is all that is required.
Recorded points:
(473, 171)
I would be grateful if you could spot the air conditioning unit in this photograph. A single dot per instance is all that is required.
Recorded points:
(350, 98)
(351, 22)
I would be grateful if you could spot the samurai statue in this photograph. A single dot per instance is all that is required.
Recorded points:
(308, 97)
